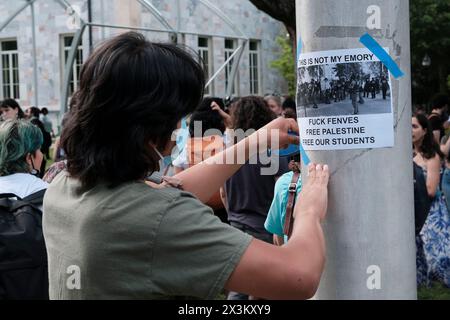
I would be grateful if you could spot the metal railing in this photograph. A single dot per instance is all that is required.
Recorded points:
(235, 58)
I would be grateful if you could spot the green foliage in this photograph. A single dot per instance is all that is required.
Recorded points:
(430, 34)
(286, 64)
(430, 20)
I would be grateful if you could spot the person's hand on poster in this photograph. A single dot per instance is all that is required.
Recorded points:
(314, 194)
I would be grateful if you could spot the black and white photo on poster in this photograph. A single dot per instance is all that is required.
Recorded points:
(343, 89)
(344, 100)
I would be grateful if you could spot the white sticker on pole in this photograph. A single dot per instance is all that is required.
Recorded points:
(344, 100)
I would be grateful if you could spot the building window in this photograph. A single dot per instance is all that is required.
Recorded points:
(66, 45)
(254, 67)
(205, 55)
(230, 47)
(9, 65)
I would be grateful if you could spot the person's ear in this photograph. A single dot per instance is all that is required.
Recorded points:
(15, 112)
(29, 159)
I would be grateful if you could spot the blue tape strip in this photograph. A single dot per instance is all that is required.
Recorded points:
(299, 48)
(381, 54)
(289, 151)
(305, 157)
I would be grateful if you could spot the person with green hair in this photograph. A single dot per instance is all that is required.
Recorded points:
(20, 158)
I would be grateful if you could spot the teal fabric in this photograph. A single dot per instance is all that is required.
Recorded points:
(277, 212)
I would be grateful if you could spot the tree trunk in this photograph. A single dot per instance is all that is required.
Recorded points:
(281, 10)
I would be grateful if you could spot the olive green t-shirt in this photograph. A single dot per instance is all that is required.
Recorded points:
(135, 242)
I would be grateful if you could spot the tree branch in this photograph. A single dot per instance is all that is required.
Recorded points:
(281, 10)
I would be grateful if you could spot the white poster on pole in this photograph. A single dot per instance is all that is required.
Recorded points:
(344, 100)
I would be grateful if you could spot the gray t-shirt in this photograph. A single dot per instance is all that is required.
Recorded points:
(135, 242)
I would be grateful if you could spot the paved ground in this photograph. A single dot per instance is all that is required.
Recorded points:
(342, 108)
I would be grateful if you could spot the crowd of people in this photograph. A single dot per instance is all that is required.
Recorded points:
(191, 233)
(313, 93)
(431, 155)
(138, 223)
(11, 110)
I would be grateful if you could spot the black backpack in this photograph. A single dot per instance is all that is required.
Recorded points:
(422, 201)
(23, 256)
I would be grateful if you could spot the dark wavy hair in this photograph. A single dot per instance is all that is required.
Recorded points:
(210, 119)
(34, 112)
(11, 103)
(429, 147)
(439, 101)
(132, 93)
(251, 113)
(289, 103)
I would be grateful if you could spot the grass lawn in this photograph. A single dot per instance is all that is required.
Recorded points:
(436, 292)
(49, 161)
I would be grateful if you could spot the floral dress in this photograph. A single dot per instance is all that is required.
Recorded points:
(433, 244)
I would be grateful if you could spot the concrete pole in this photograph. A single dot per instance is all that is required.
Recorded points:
(370, 225)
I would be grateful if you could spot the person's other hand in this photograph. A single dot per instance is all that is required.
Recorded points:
(313, 199)
(280, 129)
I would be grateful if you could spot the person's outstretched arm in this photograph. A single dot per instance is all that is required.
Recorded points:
(445, 146)
(205, 178)
(292, 271)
